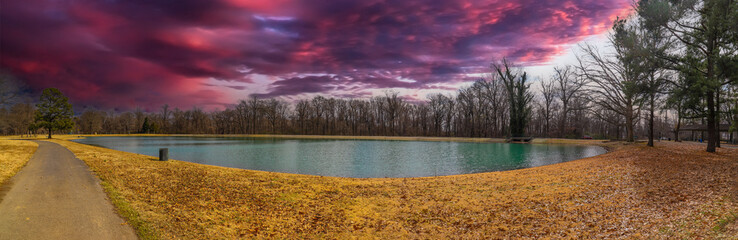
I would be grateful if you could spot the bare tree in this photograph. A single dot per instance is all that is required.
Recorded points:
(568, 87)
(164, 117)
(616, 78)
(274, 112)
(393, 107)
(549, 93)
(20, 118)
(467, 108)
(496, 97)
(91, 121)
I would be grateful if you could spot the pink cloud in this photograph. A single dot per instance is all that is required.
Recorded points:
(122, 54)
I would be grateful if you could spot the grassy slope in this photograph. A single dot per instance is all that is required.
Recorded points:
(395, 138)
(14, 155)
(674, 190)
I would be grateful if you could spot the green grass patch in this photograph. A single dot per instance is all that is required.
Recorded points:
(143, 228)
(721, 223)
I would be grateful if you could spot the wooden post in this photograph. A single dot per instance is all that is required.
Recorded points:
(163, 154)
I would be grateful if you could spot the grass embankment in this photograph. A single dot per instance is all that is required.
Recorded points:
(392, 138)
(14, 154)
(673, 190)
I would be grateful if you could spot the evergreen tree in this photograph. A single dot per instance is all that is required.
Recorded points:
(146, 127)
(519, 97)
(704, 33)
(54, 112)
(652, 43)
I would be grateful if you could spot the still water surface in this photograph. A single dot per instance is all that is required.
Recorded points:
(350, 158)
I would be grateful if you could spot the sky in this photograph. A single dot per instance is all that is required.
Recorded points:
(122, 54)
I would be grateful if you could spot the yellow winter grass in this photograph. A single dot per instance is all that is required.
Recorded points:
(14, 154)
(671, 191)
(393, 138)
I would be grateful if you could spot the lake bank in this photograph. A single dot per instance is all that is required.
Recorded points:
(389, 138)
(673, 190)
(349, 157)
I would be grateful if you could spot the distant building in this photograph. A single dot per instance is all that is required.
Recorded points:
(700, 131)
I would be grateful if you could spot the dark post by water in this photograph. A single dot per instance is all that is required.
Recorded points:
(163, 154)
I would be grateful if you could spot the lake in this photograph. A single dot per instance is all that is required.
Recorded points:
(350, 158)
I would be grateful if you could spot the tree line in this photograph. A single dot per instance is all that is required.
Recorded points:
(479, 110)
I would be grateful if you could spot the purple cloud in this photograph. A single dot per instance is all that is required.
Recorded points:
(147, 53)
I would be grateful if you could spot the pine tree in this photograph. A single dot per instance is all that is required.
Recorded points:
(146, 127)
(705, 35)
(54, 111)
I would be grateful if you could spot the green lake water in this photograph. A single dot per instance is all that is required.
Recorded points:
(350, 158)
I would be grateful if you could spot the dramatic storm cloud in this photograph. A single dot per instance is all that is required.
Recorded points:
(126, 53)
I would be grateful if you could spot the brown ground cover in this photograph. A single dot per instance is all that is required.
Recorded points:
(13, 156)
(394, 138)
(670, 191)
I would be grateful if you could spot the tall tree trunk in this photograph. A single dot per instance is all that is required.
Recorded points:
(711, 114)
(617, 132)
(547, 135)
(629, 126)
(717, 117)
(49, 129)
(650, 122)
(562, 125)
(678, 126)
(711, 136)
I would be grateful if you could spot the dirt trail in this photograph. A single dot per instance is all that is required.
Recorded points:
(55, 196)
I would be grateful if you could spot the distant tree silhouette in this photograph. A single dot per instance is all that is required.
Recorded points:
(146, 126)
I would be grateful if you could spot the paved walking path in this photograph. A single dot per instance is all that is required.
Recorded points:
(55, 196)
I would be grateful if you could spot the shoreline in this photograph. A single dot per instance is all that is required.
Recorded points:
(673, 190)
(187, 200)
(329, 137)
(597, 143)
(154, 158)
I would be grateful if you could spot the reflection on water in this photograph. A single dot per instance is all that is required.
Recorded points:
(350, 158)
